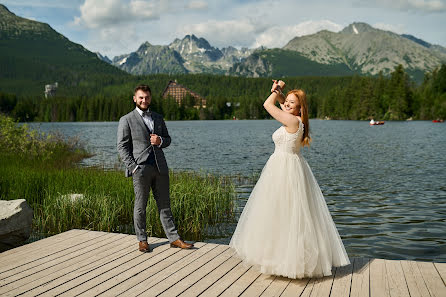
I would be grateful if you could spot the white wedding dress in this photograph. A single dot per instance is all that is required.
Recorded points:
(286, 228)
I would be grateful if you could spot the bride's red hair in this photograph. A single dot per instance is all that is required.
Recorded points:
(302, 97)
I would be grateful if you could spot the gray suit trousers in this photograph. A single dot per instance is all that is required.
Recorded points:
(145, 178)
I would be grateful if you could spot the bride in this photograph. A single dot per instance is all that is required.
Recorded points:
(286, 228)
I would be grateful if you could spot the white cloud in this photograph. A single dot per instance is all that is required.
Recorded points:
(395, 28)
(197, 4)
(223, 33)
(146, 10)
(426, 6)
(117, 12)
(110, 12)
(250, 33)
(40, 3)
(278, 36)
(112, 41)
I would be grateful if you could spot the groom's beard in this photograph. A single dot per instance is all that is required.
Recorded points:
(143, 109)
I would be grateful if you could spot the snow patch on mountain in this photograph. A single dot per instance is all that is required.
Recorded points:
(123, 61)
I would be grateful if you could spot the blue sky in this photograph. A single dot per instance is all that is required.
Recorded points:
(115, 27)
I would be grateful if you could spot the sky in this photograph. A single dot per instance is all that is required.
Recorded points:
(116, 27)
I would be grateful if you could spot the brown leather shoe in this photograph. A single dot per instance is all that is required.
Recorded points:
(144, 247)
(179, 243)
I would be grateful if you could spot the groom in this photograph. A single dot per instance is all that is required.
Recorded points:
(142, 135)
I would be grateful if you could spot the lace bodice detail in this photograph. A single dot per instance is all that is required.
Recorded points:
(288, 142)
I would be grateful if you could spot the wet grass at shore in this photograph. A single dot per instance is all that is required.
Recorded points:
(42, 169)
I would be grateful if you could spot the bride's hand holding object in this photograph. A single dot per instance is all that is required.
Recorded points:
(278, 86)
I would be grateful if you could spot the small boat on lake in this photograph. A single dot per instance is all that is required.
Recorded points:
(374, 123)
(437, 121)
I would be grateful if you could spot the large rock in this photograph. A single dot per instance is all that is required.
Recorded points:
(16, 218)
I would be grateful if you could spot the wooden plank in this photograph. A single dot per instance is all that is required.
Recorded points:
(227, 280)
(276, 287)
(360, 286)
(22, 278)
(127, 284)
(432, 279)
(378, 278)
(396, 279)
(39, 243)
(161, 271)
(51, 249)
(441, 268)
(86, 263)
(81, 276)
(296, 287)
(74, 271)
(258, 286)
(125, 273)
(308, 290)
(135, 263)
(342, 281)
(322, 286)
(44, 246)
(415, 282)
(197, 275)
(30, 269)
(53, 278)
(179, 275)
(206, 282)
(90, 263)
(242, 283)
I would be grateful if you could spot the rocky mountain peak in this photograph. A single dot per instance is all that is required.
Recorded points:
(357, 28)
(190, 44)
(200, 42)
(198, 49)
(143, 47)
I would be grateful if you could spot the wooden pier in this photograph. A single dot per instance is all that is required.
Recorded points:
(90, 263)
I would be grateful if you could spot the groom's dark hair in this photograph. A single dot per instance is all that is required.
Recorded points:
(144, 88)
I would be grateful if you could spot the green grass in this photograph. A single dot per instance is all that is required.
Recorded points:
(40, 168)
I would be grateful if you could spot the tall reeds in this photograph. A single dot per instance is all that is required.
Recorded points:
(41, 169)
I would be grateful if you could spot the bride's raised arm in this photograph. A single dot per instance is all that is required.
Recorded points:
(287, 119)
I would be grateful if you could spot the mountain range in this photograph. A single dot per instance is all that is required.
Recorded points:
(33, 51)
(357, 49)
(188, 55)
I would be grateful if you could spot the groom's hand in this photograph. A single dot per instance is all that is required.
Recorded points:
(155, 139)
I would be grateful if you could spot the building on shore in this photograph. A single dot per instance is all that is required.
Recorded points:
(50, 90)
(179, 92)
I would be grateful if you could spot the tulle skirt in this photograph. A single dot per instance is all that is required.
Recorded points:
(286, 228)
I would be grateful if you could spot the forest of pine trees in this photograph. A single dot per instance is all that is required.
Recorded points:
(350, 98)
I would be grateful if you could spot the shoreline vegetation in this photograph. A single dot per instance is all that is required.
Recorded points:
(41, 168)
(393, 97)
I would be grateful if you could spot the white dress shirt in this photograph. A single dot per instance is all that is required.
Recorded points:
(146, 118)
(149, 123)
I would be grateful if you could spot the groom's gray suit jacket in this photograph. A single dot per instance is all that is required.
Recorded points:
(134, 141)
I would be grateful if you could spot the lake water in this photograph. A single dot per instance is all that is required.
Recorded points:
(385, 185)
